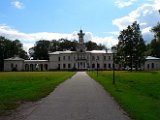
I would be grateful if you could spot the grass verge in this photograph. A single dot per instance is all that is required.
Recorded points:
(137, 92)
(18, 87)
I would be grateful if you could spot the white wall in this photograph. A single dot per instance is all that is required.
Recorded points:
(152, 65)
(16, 64)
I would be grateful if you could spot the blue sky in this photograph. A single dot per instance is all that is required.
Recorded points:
(101, 20)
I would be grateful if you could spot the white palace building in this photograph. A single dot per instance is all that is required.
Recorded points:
(81, 59)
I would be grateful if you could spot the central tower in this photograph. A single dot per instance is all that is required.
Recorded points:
(81, 47)
(81, 35)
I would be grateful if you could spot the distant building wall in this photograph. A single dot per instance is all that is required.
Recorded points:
(72, 61)
(152, 65)
(14, 65)
(36, 65)
(81, 60)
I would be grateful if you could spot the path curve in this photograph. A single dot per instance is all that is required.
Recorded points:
(79, 98)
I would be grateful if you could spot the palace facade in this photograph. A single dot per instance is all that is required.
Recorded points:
(81, 59)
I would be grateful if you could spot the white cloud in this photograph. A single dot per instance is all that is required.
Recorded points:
(17, 4)
(29, 40)
(146, 30)
(147, 34)
(136, 15)
(146, 15)
(157, 4)
(124, 3)
(108, 41)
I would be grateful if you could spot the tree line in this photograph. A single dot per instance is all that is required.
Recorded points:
(43, 47)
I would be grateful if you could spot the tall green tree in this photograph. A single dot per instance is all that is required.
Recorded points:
(54, 45)
(154, 46)
(9, 49)
(41, 49)
(131, 47)
(156, 31)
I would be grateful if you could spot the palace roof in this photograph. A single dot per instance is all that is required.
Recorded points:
(15, 58)
(68, 51)
(152, 58)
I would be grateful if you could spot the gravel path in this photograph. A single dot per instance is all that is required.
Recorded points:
(79, 98)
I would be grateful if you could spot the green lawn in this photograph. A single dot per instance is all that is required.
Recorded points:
(137, 92)
(17, 87)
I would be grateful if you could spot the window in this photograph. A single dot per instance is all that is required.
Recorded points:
(11, 65)
(64, 66)
(69, 58)
(69, 66)
(41, 67)
(83, 56)
(87, 57)
(63, 57)
(148, 66)
(105, 66)
(31, 67)
(109, 57)
(59, 58)
(109, 65)
(88, 65)
(59, 66)
(93, 65)
(84, 65)
(26, 67)
(93, 58)
(46, 66)
(104, 57)
(97, 57)
(152, 65)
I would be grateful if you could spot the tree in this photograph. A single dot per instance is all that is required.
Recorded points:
(131, 47)
(54, 45)
(41, 49)
(93, 46)
(65, 44)
(9, 49)
(154, 46)
(156, 31)
(101, 47)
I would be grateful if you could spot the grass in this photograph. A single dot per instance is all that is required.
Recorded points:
(18, 87)
(137, 92)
